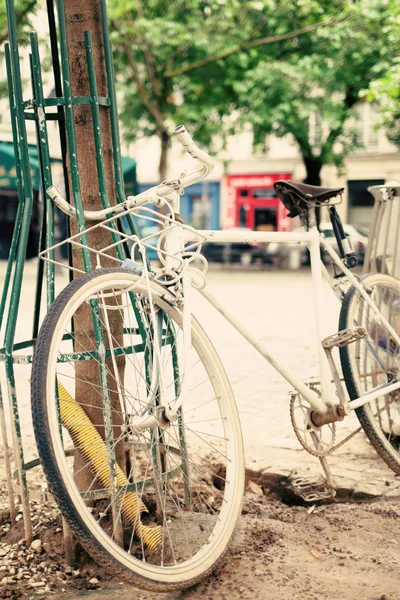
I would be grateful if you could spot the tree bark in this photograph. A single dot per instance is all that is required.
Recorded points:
(313, 169)
(165, 144)
(80, 17)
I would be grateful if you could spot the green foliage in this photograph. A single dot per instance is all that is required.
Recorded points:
(218, 65)
(184, 60)
(286, 96)
(24, 9)
(386, 89)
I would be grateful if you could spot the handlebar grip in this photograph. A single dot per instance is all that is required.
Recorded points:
(186, 141)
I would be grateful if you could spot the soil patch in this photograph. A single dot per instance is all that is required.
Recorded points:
(284, 549)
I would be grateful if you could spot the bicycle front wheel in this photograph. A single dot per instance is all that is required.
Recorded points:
(374, 361)
(156, 508)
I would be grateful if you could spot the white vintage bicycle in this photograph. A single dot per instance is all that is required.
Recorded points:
(135, 420)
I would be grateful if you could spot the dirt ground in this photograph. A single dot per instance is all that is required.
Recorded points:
(284, 549)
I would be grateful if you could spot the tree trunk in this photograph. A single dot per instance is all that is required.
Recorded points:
(80, 17)
(165, 144)
(313, 168)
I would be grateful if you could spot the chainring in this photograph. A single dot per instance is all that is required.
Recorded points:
(318, 441)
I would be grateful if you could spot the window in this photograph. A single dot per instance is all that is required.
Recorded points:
(365, 125)
(264, 193)
(359, 195)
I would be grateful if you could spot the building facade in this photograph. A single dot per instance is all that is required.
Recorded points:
(245, 179)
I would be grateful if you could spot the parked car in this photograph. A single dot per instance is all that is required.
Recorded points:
(245, 254)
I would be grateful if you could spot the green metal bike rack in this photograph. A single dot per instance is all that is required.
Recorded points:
(36, 109)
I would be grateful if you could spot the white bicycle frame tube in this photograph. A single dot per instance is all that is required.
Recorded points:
(314, 240)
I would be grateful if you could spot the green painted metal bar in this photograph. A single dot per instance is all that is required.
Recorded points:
(7, 463)
(118, 175)
(60, 113)
(17, 225)
(98, 139)
(42, 236)
(26, 181)
(171, 335)
(60, 101)
(18, 449)
(19, 346)
(39, 276)
(102, 101)
(26, 359)
(44, 157)
(10, 262)
(49, 117)
(131, 487)
(19, 263)
(69, 118)
(19, 360)
(90, 355)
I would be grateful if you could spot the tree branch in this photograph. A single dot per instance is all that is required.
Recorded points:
(251, 44)
(153, 110)
(148, 56)
(349, 101)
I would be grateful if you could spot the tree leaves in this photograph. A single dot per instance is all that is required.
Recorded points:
(219, 65)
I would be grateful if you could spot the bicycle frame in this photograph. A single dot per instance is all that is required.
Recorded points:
(314, 240)
(175, 239)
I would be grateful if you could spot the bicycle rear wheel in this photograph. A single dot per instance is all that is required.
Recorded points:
(374, 361)
(157, 508)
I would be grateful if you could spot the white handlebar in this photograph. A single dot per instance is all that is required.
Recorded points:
(154, 194)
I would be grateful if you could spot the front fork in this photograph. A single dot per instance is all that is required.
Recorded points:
(165, 412)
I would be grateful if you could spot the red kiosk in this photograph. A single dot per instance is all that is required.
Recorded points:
(252, 203)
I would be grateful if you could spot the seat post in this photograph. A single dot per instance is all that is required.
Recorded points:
(346, 249)
(311, 217)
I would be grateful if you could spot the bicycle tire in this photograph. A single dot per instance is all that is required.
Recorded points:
(372, 361)
(82, 519)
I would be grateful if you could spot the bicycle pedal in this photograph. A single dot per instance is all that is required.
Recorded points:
(343, 338)
(312, 489)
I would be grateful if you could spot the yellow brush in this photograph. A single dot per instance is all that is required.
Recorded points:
(93, 448)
